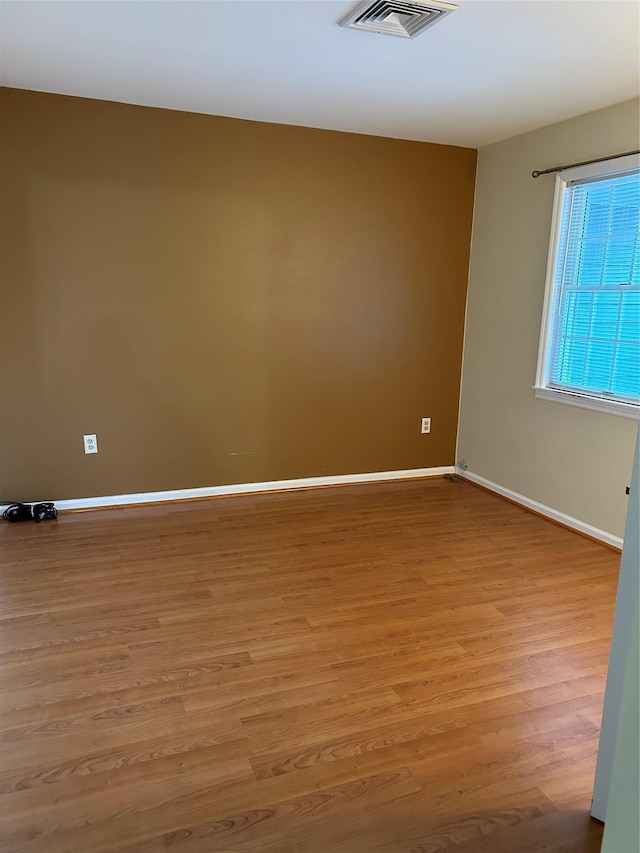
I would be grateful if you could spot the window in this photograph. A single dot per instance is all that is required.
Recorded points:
(590, 341)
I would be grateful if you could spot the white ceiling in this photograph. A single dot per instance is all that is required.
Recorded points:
(492, 69)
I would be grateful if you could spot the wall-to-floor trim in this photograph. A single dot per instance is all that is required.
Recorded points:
(249, 488)
(546, 511)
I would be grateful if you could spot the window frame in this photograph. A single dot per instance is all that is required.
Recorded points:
(603, 169)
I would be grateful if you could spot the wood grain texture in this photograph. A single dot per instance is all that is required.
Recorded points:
(411, 666)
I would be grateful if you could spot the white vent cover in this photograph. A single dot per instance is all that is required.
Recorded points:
(396, 18)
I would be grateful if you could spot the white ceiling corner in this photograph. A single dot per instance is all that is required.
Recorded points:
(490, 70)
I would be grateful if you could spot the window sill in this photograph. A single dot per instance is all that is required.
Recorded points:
(596, 404)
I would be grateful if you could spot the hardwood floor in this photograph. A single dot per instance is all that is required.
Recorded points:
(410, 666)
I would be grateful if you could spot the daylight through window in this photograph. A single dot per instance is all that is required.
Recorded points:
(590, 348)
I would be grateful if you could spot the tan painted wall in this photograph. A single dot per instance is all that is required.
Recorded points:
(570, 459)
(222, 301)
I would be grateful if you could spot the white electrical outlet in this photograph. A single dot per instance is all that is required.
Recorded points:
(426, 425)
(90, 443)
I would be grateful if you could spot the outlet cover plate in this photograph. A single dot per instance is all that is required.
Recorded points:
(90, 443)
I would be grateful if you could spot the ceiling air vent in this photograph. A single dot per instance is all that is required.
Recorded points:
(396, 18)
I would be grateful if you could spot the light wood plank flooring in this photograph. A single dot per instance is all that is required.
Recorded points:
(410, 666)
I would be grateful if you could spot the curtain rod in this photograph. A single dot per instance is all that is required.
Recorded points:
(537, 174)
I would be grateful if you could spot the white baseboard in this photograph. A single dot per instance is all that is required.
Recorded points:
(549, 512)
(249, 488)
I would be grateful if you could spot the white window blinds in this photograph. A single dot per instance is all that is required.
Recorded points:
(593, 344)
